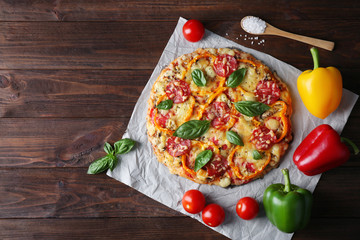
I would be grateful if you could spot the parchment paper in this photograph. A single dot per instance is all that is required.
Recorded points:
(140, 169)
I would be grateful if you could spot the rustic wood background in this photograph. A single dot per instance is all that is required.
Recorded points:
(70, 75)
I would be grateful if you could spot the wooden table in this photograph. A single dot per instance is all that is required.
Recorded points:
(70, 75)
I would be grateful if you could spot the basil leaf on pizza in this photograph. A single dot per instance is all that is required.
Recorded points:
(251, 108)
(234, 138)
(192, 129)
(165, 105)
(202, 159)
(236, 78)
(124, 146)
(198, 77)
(257, 155)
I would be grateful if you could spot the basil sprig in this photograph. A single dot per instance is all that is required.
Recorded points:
(110, 160)
(257, 155)
(202, 159)
(165, 105)
(236, 78)
(198, 77)
(192, 129)
(251, 108)
(234, 138)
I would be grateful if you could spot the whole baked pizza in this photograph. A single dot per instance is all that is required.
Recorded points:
(219, 116)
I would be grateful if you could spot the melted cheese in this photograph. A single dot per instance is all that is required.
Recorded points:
(179, 113)
(226, 51)
(210, 72)
(250, 80)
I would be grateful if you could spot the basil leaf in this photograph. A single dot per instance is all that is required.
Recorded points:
(202, 159)
(257, 155)
(165, 105)
(236, 78)
(99, 165)
(112, 162)
(192, 129)
(108, 148)
(124, 146)
(234, 138)
(198, 77)
(251, 108)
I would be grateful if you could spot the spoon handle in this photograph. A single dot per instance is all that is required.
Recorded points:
(270, 30)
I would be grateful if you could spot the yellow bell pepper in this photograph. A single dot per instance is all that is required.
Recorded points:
(321, 88)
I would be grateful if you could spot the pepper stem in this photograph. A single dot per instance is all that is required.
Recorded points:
(287, 187)
(351, 143)
(315, 56)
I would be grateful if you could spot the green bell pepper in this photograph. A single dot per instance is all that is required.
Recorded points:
(287, 206)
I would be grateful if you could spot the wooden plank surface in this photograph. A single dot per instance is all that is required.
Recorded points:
(71, 193)
(101, 45)
(148, 228)
(70, 75)
(70, 93)
(145, 10)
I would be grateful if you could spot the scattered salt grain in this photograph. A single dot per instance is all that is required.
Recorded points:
(253, 25)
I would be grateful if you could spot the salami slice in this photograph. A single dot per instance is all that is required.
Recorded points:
(263, 138)
(176, 146)
(225, 65)
(267, 91)
(178, 91)
(160, 118)
(217, 166)
(218, 113)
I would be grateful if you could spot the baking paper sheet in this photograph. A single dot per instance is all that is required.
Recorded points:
(140, 169)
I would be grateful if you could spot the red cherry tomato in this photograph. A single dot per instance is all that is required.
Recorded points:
(193, 201)
(247, 208)
(213, 215)
(193, 30)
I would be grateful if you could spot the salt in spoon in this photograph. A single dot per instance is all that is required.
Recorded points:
(271, 30)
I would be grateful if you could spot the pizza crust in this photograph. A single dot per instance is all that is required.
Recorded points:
(213, 102)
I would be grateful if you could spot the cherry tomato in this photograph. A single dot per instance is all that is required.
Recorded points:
(193, 201)
(247, 208)
(193, 30)
(213, 215)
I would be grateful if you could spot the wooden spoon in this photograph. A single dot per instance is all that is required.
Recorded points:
(271, 30)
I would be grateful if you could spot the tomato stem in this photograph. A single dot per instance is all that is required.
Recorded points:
(315, 56)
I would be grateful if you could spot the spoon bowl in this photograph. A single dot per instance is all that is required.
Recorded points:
(271, 30)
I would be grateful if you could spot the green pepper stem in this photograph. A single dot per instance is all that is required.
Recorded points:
(287, 187)
(315, 56)
(351, 143)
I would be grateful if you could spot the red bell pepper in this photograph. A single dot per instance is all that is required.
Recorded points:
(322, 150)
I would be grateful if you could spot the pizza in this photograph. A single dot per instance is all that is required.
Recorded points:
(219, 116)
